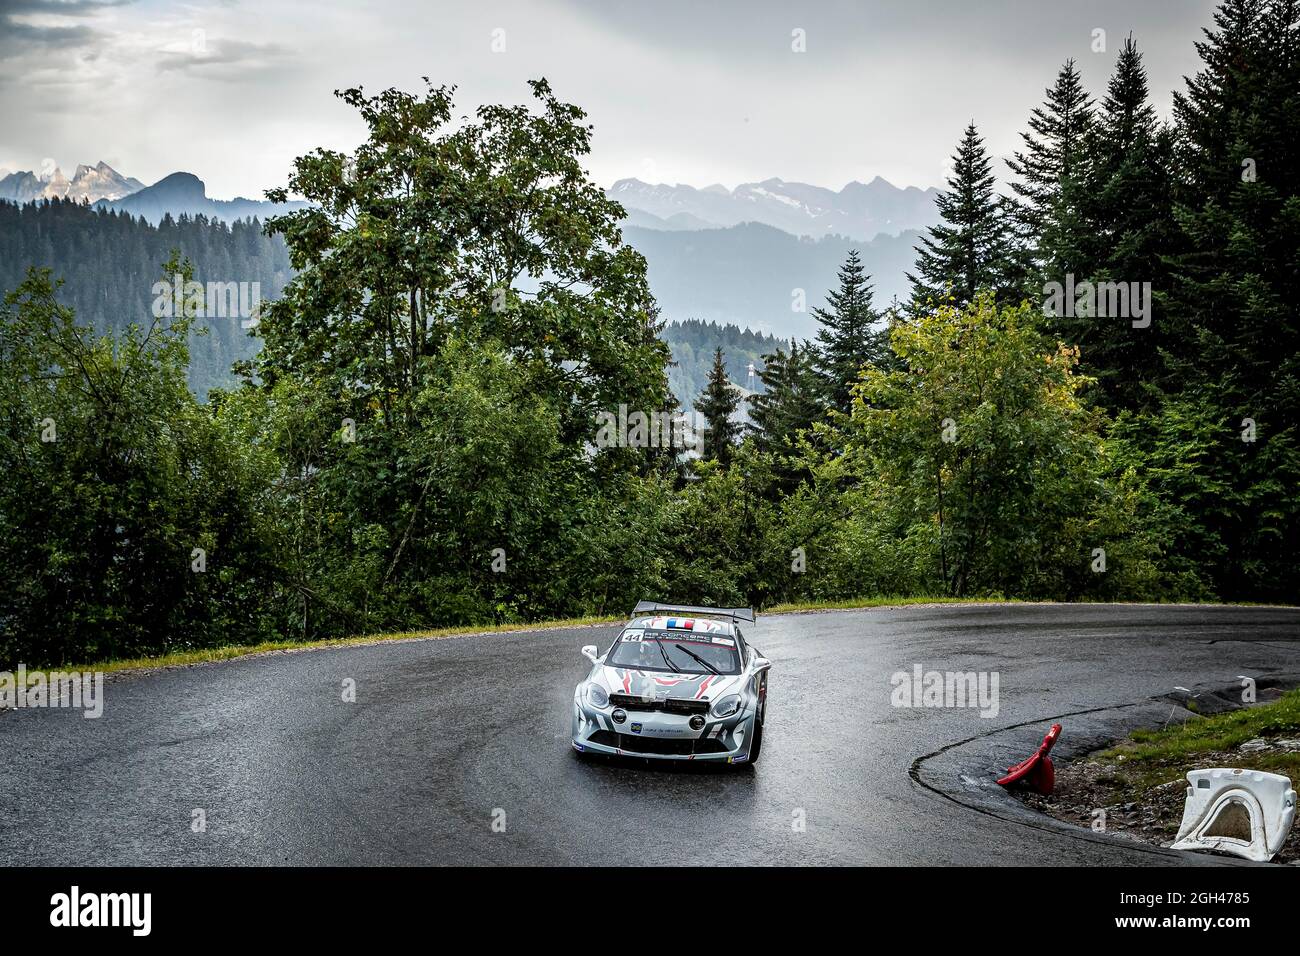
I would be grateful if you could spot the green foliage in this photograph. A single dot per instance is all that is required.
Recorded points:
(977, 449)
(381, 526)
(850, 336)
(718, 404)
(489, 227)
(970, 251)
(464, 298)
(114, 476)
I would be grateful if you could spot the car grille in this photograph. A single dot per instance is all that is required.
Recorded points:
(663, 746)
(669, 705)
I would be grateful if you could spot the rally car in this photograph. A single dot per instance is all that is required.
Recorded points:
(678, 683)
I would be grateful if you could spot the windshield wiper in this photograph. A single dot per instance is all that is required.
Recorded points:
(698, 658)
(672, 667)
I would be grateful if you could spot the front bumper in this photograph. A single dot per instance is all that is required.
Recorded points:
(662, 736)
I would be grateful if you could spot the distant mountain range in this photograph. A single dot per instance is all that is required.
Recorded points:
(724, 255)
(177, 194)
(858, 211)
(756, 276)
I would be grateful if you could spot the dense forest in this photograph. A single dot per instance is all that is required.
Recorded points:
(1092, 393)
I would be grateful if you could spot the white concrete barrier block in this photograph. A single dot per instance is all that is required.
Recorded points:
(1244, 812)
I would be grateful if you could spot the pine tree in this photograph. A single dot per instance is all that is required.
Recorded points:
(848, 338)
(1236, 285)
(1128, 206)
(766, 407)
(789, 402)
(970, 250)
(1236, 277)
(1052, 170)
(1127, 120)
(718, 403)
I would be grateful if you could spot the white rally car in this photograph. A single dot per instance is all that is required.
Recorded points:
(678, 683)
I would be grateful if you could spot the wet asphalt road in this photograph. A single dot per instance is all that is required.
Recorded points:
(448, 736)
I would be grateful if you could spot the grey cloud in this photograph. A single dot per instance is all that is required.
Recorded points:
(25, 33)
(678, 90)
(223, 52)
(62, 8)
(21, 36)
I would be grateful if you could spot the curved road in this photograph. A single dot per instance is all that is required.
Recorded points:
(447, 736)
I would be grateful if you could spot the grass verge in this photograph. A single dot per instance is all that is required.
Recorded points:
(853, 604)
(1149, 757)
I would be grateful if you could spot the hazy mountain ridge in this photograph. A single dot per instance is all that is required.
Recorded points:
(179, 194)
(858, 211)
(743, 274)
(110, 260)
(749, 275)
(186, 194)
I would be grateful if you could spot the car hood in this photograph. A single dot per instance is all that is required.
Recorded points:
(663, 685)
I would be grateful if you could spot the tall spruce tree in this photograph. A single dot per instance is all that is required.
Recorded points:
(970, 250)
(1237, 284)
(789, 403)
(849, 337)
(718, 403)
(1052, 180)
(1128, 206)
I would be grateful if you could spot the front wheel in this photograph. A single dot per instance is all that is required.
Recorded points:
(756, 747)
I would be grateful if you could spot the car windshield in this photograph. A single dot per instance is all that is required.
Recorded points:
(644, 649)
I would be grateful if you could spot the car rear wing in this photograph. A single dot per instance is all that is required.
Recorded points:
(653, 607)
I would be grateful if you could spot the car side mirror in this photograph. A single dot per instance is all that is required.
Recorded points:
(589, 652)
(761, 663)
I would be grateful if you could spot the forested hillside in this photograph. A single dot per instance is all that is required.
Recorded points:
(693, 343)
(109, 263)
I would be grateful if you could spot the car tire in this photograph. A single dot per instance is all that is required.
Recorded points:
(756, 747)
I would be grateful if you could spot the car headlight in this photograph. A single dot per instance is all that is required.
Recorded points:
(726, 706)
(597, 696)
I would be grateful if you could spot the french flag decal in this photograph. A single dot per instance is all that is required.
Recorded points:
(684, 624)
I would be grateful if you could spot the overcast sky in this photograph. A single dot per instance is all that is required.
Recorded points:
(689, 92)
